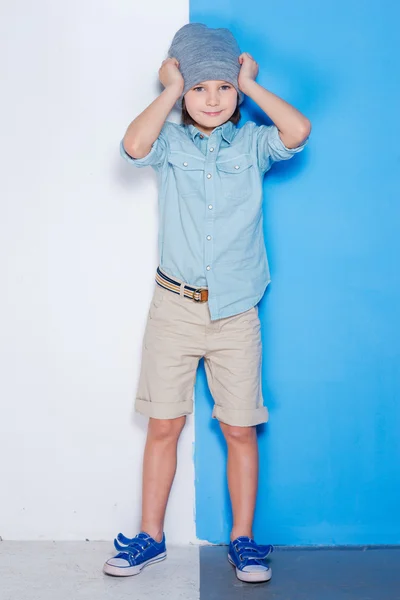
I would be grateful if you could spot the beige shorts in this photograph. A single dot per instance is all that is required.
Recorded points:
(179, 332)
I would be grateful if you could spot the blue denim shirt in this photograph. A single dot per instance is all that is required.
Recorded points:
(210, 208)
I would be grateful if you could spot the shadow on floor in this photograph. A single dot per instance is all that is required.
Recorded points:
(307, 574)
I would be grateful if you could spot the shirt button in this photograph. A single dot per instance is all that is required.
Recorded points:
(185, 164)
(208, 267)
(211, 149)
(209, 237)
(210, 206)
(237, 167)
(201, 136)
(208, 175)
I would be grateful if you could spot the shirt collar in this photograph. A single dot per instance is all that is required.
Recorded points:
(227, 131)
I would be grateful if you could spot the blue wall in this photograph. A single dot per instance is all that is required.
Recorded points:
(330, 455)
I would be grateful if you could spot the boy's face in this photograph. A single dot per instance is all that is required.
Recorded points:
(211, 103)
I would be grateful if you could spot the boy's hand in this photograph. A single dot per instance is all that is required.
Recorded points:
(248, 71)
(170, 75)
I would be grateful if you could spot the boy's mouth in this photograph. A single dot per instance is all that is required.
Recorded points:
(213, 114)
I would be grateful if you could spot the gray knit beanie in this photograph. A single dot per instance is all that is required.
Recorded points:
(206, 54)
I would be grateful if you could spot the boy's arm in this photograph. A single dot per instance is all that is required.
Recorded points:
(145, 129)
(293, 126)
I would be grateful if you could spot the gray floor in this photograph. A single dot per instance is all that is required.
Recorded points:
(307, 574)
(72, 571)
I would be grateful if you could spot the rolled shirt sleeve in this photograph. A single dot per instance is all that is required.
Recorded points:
(157, 155)
(270, 147)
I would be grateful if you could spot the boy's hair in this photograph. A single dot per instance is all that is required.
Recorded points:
(187, 119)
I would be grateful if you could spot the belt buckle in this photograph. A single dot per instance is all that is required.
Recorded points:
(195, 292)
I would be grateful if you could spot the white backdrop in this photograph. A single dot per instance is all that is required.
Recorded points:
(78, 252)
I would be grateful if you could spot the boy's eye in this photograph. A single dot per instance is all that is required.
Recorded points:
(198, 88)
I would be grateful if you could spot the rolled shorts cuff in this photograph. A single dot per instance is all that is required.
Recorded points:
(240, 417)
(163, 410)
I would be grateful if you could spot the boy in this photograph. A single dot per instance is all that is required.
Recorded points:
(212, 273)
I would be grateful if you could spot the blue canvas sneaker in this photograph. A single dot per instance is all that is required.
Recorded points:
(134, 554)
(249, 560)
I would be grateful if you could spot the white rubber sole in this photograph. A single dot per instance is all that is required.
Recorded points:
(129, 571)
(255, 577)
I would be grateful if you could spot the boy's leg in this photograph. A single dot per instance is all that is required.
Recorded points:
(233, 368)
(172, 346)
(159, 467)
(242, 471)
(173, 343)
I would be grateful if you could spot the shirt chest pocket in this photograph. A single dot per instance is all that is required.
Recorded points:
(236, 176)
(188, 172)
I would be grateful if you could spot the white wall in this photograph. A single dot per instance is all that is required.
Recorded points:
(77, 259)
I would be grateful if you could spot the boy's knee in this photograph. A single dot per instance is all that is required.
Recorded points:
(237, 434)
(163, 429)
